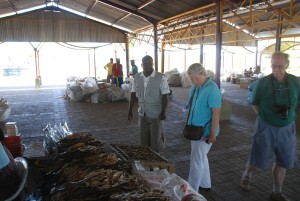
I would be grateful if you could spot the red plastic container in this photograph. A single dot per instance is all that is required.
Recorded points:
(12, 139)
(14, 145)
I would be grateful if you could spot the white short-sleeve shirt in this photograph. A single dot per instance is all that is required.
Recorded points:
(164, 86)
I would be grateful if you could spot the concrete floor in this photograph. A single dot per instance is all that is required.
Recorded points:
(33, 109)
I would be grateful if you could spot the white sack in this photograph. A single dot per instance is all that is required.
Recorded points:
(89, 86)
(4, 109)
(185, 80)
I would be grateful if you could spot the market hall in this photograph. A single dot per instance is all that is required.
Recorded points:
(229, 170)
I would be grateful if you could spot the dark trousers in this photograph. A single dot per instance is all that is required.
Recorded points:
(118, 81)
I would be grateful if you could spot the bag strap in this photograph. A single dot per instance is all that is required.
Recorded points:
(190, 105)
(207, 123)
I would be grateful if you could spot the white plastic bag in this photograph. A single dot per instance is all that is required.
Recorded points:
(4, 109)
(185, 80)
(116, 94)
(89, 86)
(173, 78)
(74, 91)
(126, 87)
(179, 189)
(94, 98)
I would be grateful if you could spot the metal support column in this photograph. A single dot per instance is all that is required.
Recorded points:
(201, 54)
(155, 47)
(278, 32)
(162, 57)
(95, 70)
(218, 41)
(127, 55)
(256, 54)
(38, 78)
(184, 62)
(201, 48)
(89, 60)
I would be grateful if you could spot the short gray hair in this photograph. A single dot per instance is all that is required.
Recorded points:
(196, 69)
(284, 55)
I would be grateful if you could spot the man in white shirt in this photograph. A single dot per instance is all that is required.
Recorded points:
(151, 89)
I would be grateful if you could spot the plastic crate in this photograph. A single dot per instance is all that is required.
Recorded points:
(12, 140)
(15, 150)
(14, 145)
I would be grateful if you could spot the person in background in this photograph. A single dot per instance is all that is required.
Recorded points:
(117, 71)
(108, 67)
(151, 89)
(205, 108)
(275, 99)
(134, 68)
(250, 89)
(250, 72)
(9, 176)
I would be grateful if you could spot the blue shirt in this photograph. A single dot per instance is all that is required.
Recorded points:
(4, 160)
(206, 97)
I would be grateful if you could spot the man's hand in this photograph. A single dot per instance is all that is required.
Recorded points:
(162, 116)
(130, 116)
(131, 104)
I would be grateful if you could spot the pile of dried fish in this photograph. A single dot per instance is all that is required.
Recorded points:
(88, 170)
(75, 138)
(141, 194)
(102, 182)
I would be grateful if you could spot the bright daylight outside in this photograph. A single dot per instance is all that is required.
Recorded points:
(58, 61)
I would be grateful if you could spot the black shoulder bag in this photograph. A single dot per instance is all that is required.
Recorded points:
(192, 132)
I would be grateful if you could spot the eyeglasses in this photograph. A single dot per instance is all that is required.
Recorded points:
(278, 66)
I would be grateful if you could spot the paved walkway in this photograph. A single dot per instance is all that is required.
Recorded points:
(33, 109)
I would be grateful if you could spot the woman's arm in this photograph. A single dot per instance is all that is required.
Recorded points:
(214, 124)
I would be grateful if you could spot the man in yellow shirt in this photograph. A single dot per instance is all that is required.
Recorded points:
(108, 67)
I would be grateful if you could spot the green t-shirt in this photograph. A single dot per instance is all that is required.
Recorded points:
(269, 94)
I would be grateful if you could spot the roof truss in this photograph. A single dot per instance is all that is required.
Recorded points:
(252, 21)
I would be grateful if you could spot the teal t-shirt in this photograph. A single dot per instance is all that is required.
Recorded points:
(4, 160)
(269, 93)
(134, 69)
(205, 98)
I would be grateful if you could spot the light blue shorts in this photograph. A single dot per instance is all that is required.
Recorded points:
(269, 140)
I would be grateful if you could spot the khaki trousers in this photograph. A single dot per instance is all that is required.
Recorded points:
(152, 133)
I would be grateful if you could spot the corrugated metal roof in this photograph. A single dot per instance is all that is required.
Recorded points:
(49, 26)
(130, 14)
(136, 15)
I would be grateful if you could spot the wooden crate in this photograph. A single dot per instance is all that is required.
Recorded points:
(244, 85)
(244, 82)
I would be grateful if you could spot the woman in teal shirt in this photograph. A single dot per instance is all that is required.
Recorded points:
(204, 111)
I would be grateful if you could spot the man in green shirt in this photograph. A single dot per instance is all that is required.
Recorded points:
(275, 99)
(134, 68)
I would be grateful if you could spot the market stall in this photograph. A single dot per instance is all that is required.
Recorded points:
(78, 167)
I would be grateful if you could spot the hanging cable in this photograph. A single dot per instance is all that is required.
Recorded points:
(66, 46)
(89, 47)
